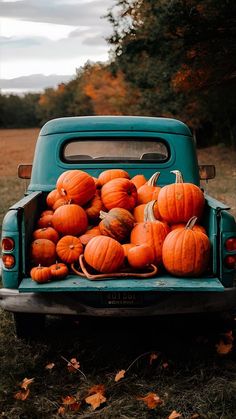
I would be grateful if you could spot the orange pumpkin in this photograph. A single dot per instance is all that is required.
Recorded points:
(41, 274)
(69, 249)
(52, 197)
(45, 221)
(59, 202)
(126, 247)
(104, 254)
(196, 227)
(110, 174)
(186, 252)
(46, 212)
(46, 233)
(59, 270)
(139, 213)
(138, 180)
(76, 186)
(117, 223)
(151, 232)
(43, 252)
(149, 191)
(119, 193)
(94, 207)
(70, 219)
(89, 234)
(180, 201)
(140, 256)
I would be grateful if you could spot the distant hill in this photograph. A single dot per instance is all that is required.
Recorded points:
(34, 82)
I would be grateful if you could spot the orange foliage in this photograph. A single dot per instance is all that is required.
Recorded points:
(187, 79)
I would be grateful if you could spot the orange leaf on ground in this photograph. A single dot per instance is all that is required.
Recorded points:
(73, 365)
(61, 411)
(50, 366)
(152, 400)
(95, 400)
(26, 382)
(22, 394)
(98, 388)
(68, 400)
(174, 415)
(223, 348)
(153, 357)
(120, 375)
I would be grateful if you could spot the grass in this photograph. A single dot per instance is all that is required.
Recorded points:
(188, 375)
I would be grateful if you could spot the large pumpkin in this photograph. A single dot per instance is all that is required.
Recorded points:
(149, 191)
(76, 186)
(70, 219)
(110, 174)
(104, 254)
(43, 252)
(69, 249)
(117, 223)
(151, 232)
(180, 201)
(119, 193)
(186, 252)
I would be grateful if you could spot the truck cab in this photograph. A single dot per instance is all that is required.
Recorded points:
(94, 144)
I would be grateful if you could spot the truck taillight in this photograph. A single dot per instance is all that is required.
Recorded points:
(230, 262)
(8, 244)
(8, 261)
(230, 244)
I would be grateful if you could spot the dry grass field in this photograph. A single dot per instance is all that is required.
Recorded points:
(187, 373)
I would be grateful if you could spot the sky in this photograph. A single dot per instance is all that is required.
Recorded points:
(52, 36)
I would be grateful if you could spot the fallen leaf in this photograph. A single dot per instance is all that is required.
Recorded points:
(68, 400)
(22, 394)
(95, 400)
(152, 400)
(73, 365)
(223, 348)
(26, 382)
(98, 388)
(50, 366)
(174, 415)
(61, 411)
(120, 375)
(153, 357)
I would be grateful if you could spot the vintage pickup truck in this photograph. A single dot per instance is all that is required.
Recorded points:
(94, 144)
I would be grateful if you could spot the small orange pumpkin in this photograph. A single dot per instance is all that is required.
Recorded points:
(52, 197)
(43, 252)
(117, 223)
(139, 213)
(41, 274)
(46, 233)
(45, 221)
(110, 174)
(59, 202)
(59, 270)
(76, 186)
(70, 219)
(138, 180)
(126, 247)
(119, 193)
(186, 252)
(104, 254)
(149, 191)
(140, 256)
(69, 249)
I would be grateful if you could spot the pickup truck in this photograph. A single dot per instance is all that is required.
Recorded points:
(94, 144)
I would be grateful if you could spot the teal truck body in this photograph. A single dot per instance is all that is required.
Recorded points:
(138, 145)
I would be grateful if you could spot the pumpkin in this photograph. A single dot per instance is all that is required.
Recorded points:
(196, 227)
(94, 207)
(59, 202)
(180, 201)
(126, 247)
(46, 212)
(46, 233)
(69, 249)
(70, 219)
(76, 186)
(45, 221)
(59, 270)
(41, 274)
(140, 256)
(117, 223)
(152, 232)
(104, 254)
(186, 252)
(139, 213)
(110, 174)
(149, 191)
(138, 180)
(52, 197)
(43, 252)
(119, 193)
(89, 234)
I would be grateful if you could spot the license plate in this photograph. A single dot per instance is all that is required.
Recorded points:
(124, 299)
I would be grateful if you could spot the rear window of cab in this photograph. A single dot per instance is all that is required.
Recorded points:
(110, 149)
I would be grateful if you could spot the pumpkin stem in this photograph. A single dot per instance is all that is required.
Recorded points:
(71, 246)
(148, 212)
(153, 179)
(191, 223)
(63, 192)
(179, 177)
(103, 214)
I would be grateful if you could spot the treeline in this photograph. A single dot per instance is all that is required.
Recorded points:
(168, 58)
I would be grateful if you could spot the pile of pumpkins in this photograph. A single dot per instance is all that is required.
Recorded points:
(115, 220)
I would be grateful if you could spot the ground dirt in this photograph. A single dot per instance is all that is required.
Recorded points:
(188, 374)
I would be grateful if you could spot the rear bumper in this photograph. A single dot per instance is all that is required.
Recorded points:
(71, 304)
